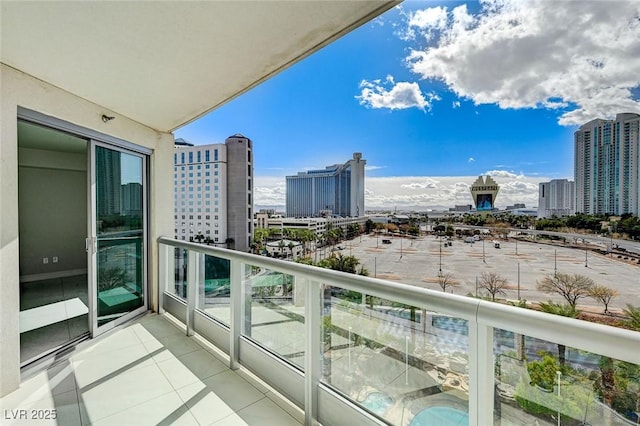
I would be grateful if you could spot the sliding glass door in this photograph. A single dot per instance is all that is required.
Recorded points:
(118, 243)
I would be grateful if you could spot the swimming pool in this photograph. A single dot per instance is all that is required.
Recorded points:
(440, 416)
(377, 402)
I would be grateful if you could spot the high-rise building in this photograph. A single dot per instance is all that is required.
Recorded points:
(556, 198)
(336, 190)
(212, 192)
(607, 153)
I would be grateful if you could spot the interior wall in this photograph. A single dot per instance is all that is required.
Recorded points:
(52, 206)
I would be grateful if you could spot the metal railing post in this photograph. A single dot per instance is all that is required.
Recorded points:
(195, 265)
(237, 312)
(481, 374)
(313, 358)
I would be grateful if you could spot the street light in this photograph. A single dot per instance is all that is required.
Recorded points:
(483, 251)
(518, 280)
(555, 263)
(559, 374)
(585, 254)
(440, 268)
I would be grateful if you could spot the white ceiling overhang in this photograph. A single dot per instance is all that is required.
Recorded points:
(165, 64)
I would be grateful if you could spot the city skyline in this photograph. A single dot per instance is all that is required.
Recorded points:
(436, 93)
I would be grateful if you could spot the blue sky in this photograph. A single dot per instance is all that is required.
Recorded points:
(436, 93)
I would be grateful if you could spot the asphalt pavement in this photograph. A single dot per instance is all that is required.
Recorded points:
(418, 262)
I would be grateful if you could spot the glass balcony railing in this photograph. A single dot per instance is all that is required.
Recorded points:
(343, 347)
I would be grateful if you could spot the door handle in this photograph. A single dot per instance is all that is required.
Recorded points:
(90, 245)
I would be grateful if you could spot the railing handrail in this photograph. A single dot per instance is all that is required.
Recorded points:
(601, 339)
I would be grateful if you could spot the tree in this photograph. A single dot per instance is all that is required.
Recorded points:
(291, 246)
(570, 287)
(603, 294)
(633, 317)
(562, 310)
(493, 283)
(338, 262)
(446, 280)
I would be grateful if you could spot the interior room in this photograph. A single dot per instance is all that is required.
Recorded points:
(52, 204)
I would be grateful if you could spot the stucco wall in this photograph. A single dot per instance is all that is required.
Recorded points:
(19, 89)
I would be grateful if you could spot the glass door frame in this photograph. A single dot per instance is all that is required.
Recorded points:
(92, 241)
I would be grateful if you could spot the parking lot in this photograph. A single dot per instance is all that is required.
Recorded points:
(418, 261)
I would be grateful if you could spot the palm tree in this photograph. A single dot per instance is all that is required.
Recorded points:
(281, 246)
(291, 245)
(565, 310)
(633, 317)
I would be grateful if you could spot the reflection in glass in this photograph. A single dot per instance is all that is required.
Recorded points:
(538, 382)
(404, 364)
(180, 273)
(215, 291)
(120, 233)
(275, 317)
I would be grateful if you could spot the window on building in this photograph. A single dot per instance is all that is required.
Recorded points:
(182, 158)
(206, 155)
(215, 155)
(199, 158)
(191, 157)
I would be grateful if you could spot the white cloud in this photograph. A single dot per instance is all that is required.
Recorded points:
(371, 167)
(504, 173)
(426, 22)
(392, 95)
(428, 183)
(455, 104)
(418, 192)
(583, 57)
(471, 160)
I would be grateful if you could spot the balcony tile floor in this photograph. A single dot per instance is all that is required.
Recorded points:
(145, 373)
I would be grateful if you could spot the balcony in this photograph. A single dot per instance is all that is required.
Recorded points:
(341, 349)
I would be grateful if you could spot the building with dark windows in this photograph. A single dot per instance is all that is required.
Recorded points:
(336, 190)
(607, 153)
(212, 186)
